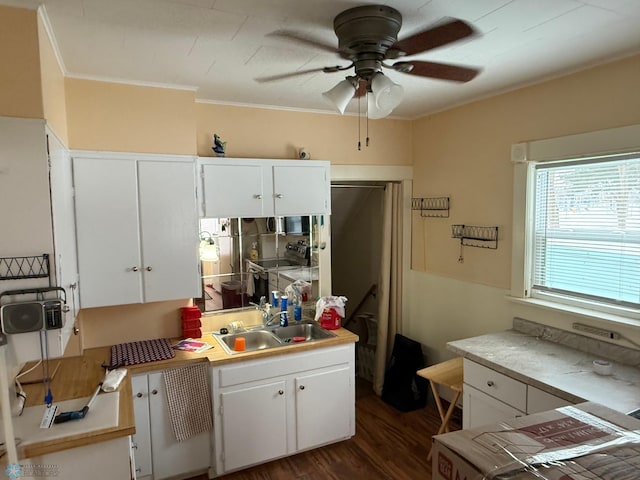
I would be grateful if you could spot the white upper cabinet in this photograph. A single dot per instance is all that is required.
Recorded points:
(301, 189)
(265, 188)
(137, 230)
(234, 190)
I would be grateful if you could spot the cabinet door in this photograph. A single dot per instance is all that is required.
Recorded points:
(234, 191)
(107, 232)
(301, 190)
(324, 402)
(64, 231)
(142, 438)
(169, 230)
(254, 425)
(482, 409)
(170, 457)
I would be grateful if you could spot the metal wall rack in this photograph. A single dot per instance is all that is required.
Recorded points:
(476, 236)
(18, 268)
(431, 206)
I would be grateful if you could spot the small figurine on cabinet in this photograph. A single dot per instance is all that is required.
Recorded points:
(218, 145)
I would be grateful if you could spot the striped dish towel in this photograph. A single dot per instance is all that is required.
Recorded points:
(189, 400)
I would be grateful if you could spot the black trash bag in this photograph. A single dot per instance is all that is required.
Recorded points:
(403, 389)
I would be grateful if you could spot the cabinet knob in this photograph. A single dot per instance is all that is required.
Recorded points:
(134, 269)
(490, 383)
(280, 392)
(154, 392)
(279, 195)
(301, 387)
(149, 269)
(139, 395)
(134, 446)
(257, 196)
(138, 470)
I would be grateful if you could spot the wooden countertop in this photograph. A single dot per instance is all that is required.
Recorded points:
(78, 377)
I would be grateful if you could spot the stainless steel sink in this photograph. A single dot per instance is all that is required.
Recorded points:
(254, 340)
(273, 337)
(309, 331)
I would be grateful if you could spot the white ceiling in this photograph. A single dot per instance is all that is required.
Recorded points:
(218, 47)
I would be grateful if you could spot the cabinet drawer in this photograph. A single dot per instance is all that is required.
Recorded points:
(541, 401)
(502, 387)
(263, 369)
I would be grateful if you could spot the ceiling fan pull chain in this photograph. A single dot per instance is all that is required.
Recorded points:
(366, 142)
(359, 145)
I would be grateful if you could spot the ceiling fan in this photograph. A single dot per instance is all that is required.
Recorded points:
(368, 39)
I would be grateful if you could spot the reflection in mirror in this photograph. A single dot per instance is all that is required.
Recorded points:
(243, 259)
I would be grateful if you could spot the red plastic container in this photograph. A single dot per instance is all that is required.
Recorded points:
(329, 319)
(191, 323)
(189, 313)
(191, 333)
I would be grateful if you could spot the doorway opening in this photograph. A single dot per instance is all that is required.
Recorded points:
(356, 250)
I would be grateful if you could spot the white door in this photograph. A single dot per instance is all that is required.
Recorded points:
(107, 232)
(142, 438)
(482, 409)
(254, 425)
(169, 230)
(170, 457)
(301, 190)
(323, 407)
(234, 191)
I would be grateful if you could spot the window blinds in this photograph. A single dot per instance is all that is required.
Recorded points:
(587, 229)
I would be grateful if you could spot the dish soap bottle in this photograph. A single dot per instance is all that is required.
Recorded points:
(253, 253)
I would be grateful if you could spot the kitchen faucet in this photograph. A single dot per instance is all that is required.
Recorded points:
(267, 317)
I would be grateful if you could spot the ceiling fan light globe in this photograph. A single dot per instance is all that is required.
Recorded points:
(374, 112)
(340, 95)
(387, 94)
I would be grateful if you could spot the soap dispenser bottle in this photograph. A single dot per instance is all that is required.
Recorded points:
(253, 253)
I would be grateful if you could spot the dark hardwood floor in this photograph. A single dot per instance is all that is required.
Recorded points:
(388, 444)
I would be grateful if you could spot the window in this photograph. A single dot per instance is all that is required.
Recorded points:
(585, 235)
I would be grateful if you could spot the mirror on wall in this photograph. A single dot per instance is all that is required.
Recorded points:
(243, 259)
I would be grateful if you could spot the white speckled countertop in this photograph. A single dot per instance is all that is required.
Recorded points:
(555, 368)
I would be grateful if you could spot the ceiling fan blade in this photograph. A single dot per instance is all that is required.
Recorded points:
(298, 37)
(448, 32)
(283, 76)
(442, 71)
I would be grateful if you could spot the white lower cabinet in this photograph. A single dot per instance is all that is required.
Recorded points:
(157, 453)
(254, 424)
(270, 408)
(492, 397)
(321, 399)
(481, 409)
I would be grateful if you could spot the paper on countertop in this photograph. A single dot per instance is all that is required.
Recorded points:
(112, 379)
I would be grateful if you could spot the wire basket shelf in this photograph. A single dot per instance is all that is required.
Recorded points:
(18, 268)
(431, 206)
(476, 236)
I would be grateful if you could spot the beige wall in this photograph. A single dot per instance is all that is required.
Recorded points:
(465, 153)
(128, 118)
(263, 133)
(53, 91)
(20, 93)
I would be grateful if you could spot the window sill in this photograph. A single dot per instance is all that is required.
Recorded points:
(584, 313)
